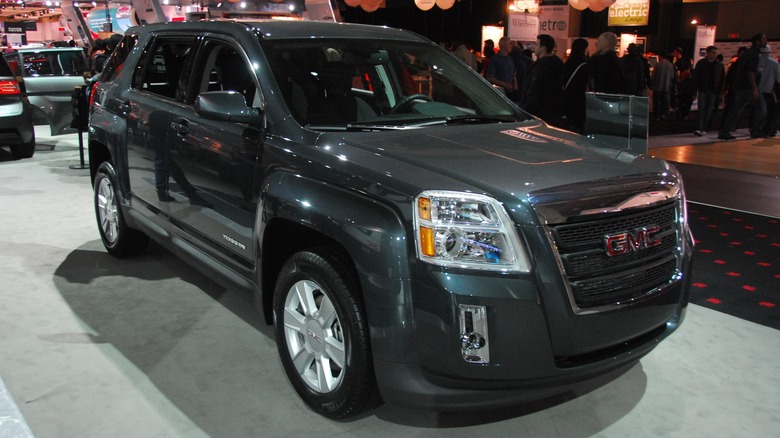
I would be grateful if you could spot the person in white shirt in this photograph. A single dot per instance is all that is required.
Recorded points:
(769, 79)
(463, 53)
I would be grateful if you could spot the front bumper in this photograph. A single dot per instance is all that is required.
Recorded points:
(538, 346)
(16, 126)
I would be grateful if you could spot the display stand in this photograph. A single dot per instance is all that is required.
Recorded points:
(80, 121)
(618, 121)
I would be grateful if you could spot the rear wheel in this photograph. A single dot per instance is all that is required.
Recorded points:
(119, 239)
(322, 335)
(26, 150)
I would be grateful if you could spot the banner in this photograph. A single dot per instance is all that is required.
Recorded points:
(705, 36)
(523, 27)
(554, 20)
(629, 13)
(117, 20)
(15, 27)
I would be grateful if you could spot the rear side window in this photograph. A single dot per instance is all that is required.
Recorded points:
(164, 68)
(116, 61)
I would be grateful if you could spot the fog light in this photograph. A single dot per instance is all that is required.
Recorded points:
(474, 345)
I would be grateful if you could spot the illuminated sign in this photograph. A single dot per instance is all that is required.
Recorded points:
(629, 13)
(523, 27)
(118, 18)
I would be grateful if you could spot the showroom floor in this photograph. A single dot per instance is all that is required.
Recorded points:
(149, 347)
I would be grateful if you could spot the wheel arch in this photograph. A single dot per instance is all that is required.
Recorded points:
(299, 213)
(107, 136)
(284, 238)
(98, 154)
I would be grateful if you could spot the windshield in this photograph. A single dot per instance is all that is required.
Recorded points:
(349, 83)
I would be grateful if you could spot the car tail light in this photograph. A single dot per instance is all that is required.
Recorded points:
(92, 93)
(9, 87)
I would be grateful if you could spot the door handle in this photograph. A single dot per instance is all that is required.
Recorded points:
(181, 126)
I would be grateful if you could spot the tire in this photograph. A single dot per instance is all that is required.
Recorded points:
(119, 240)
(26, 150)
(323, 336)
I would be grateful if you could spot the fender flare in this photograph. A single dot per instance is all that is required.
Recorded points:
(109, 130)
(371, 232)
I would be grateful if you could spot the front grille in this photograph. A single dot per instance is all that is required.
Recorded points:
(597, 279)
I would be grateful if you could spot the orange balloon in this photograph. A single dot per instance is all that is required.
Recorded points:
(425, 5)
(370, 5)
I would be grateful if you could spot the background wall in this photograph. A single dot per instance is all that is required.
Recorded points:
(744, 18)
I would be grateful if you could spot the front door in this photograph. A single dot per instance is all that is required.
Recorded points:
(218, 159)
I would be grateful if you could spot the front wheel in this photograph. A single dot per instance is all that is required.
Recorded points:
(322, 335)
(118, 238)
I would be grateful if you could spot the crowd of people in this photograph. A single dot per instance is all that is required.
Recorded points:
(540, 82)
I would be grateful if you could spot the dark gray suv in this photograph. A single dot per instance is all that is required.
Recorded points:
(413, 235)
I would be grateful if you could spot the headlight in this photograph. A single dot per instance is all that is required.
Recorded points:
(468, 231)
(683, 205)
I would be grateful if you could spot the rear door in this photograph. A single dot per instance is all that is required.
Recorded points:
(156, 179)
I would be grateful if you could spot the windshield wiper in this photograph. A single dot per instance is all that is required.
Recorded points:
(403, 124)
(353, 127)
(374, 126)
(475, 120)
(421, 123)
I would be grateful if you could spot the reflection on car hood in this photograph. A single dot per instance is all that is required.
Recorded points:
(508, 159)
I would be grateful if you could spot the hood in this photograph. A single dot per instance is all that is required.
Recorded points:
(507, 160)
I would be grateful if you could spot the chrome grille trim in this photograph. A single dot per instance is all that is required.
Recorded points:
(596, 282)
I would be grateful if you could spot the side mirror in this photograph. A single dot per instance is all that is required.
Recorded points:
(228, 106)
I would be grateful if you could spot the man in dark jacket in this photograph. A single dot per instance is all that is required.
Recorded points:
(746, 92)
(709, 76)
(575, 84)
(638, 70)
(607, 73)
(544, 89)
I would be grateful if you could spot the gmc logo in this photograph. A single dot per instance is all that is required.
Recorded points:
(631, 241)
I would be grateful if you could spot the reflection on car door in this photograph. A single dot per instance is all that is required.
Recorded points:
(218, 158)
(155, 180)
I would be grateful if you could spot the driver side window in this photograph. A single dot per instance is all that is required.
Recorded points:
(224, 68)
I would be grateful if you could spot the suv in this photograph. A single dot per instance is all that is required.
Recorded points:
(48, 76)
(16, 126)
(413, 235)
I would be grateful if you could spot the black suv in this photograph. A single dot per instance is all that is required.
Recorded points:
(413, 235)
